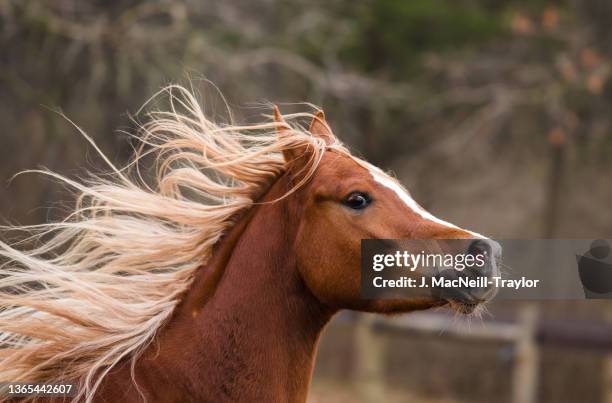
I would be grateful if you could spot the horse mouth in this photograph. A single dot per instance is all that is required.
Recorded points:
(465, 302)
(463, 307)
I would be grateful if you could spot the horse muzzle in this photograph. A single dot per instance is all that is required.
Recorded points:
(465, 289)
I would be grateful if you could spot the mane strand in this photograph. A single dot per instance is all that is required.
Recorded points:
(79, 296)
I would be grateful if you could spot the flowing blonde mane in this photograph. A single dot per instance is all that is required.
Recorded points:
(81, 295)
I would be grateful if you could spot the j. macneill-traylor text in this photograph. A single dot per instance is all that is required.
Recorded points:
(461, 282)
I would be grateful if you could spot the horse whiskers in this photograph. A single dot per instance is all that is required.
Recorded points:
(461, 318)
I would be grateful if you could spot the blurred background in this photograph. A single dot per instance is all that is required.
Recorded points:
(496, 114)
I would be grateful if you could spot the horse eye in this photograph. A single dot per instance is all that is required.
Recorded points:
(357, 200)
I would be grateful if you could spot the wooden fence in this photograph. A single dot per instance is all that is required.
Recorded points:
(527, 334)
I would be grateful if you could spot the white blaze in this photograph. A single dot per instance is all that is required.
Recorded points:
(380, 177)
(384, 179)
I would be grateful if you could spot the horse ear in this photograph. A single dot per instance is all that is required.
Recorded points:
(290, 155)
(320, 128)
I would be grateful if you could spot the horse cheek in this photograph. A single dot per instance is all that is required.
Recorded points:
(329, 266)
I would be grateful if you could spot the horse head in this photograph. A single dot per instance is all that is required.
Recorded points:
(347, 200)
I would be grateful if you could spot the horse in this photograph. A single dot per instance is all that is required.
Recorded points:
(212, 281)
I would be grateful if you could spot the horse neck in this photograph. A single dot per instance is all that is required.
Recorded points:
(248, 328)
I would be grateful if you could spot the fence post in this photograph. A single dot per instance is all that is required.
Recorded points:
(526, 359)
(369, 368)
(607, 379)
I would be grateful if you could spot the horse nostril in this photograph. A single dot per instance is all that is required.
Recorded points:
(481, 247)
(491, 250)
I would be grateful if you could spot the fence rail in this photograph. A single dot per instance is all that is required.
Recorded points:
(527, 334)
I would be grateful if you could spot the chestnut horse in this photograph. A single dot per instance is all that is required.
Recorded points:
(214, 285)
